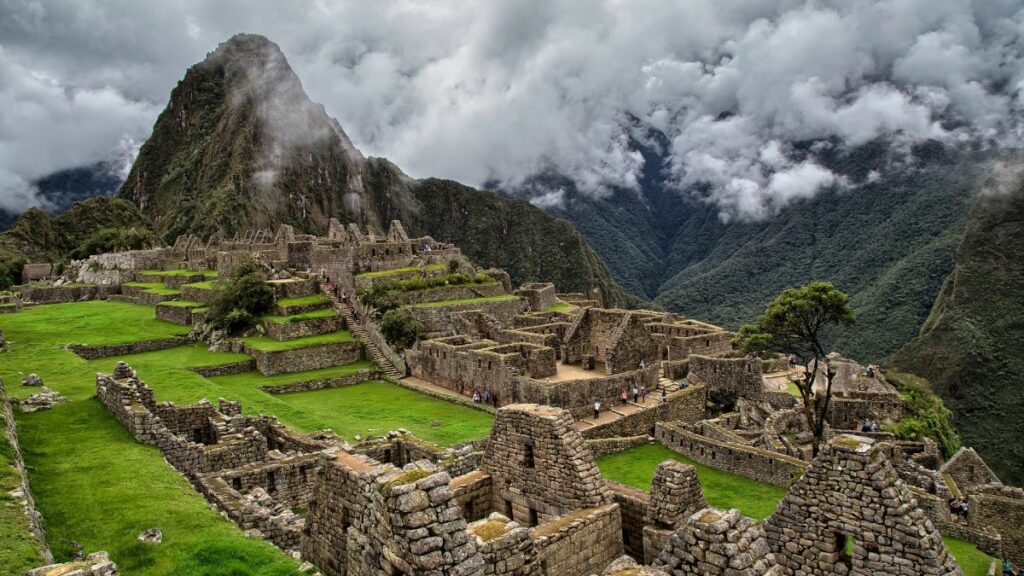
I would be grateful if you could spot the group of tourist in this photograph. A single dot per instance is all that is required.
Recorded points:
(959, 507)
(639, 395)
(485, 397)
(870, 426)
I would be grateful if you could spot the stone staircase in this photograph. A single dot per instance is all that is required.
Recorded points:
(359, 331)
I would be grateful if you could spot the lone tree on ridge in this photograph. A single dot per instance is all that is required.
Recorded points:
(794, 323)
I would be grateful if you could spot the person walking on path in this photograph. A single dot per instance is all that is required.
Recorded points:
(636, 395)
(664, 395)
(624, 396)
(643, 394)
(597, 409)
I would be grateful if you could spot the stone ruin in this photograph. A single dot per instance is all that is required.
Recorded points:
(718, 543)
(850, 513)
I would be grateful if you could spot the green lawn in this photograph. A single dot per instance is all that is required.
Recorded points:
(254, 379)
(326, 312)
(559, 306)
(303, 300)
(635, 467)
(268, 344)
(207, 273)
(145, 285)
(973, 561)
(378, 407)
(183, 304)
(92, 482)
(464, 301)
(165, 291)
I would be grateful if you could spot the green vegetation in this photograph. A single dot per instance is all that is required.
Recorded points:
(502, 298)
(560, 306)
(245, 297)
(324, 313)
(96, 486)
(206, 285)
(796, 323)
(383, 295)
(400, 328)
(182, 304)
(926, 417)
(303, 300)
(19, 549)
(256, 379)
(373, 408)
(973, 561)
(635, 467)
(115, 240)
(268, 344)
(396, 271)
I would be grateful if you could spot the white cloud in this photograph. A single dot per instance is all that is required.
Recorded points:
(502, 89)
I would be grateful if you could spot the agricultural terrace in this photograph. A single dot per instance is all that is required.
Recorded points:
(97, 488)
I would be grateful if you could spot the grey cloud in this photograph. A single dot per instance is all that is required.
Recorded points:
(500, 90)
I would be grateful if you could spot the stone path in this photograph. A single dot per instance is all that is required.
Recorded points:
(359, 332)
(610, 414)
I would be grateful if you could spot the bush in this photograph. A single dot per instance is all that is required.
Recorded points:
(114, 240)
(244, 298)
(400, 328)
(926, 416)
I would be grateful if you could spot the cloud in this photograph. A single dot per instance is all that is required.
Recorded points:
(504, 89)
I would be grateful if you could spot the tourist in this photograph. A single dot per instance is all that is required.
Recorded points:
(641, 364)
(597, 409)
(476, 395)
(643, 394)
(624, 396)
(871, 371)
(636, 395)
(965, 508)
(494, 399)
(487, 396)
(1008, 569)
(344, 297)
(664, 395)
(682, 383)
(792, 360)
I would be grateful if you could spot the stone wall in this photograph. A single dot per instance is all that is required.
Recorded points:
(1001, 509)
(719, 543)
(851, 514)
(473, 493)
(22, 496)
(540, 465)
(225, 369)
(66, 293)
(539, 295)
(300, 328)
(601, 447)
(33, 272)
(361, 376)
(197, 294)
(967, 469)
(443, 319)
(105, 351)
(633, 507)
(506, 547)
(580, 543)
(728, 379)
(443, 293)
(308, 358)
(749, 462)
(685, 406)
(175, 314)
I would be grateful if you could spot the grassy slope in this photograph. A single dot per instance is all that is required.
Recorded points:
(635, 467)
(326, 312)
(972, 348)
(268, 344)
(302, 300)
(95, 485)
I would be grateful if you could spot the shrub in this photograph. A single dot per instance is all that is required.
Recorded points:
(245, 297)
(926, 416)
(453, 266)
(400, 328)
(114, 240)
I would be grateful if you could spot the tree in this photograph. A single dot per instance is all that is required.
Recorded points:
(244, 298)
(795, 323)
(400, 328)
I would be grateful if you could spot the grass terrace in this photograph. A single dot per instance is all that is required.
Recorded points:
(207, 273)
(560, 306)
(19, 550)
(183, 304)
(384, 273)
(302, 300)
(268, 344)
(442, 303)
(206, 285)
(325, 313)
(635, 467)
(145, 285)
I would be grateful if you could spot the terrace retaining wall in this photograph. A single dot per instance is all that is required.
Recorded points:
(225, 369)
(62, 294)
(308, 358)
(605, 446)
(175, 314)
(581, 545)
(357, 378)
(35, 519)
(90, 352)
(300, 328)
(441, 319)
(634, 505)
(687, 406)
(753, 463)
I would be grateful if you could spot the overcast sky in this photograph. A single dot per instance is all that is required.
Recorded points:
(499, 89)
